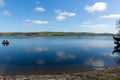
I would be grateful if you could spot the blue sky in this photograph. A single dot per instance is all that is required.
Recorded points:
(98, 16)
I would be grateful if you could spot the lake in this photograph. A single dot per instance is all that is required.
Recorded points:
(47, 55)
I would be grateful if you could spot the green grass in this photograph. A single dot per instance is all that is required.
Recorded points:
(55, 34)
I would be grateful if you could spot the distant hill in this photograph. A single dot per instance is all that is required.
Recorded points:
(55, 34)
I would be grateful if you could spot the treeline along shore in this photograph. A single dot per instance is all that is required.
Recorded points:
(54, 34)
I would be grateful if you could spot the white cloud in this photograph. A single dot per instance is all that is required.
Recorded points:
(39, 22)
(95, 27)
(6, 13)
(39, 9)
(89, 25)
(2, 3)
(110, 16)
(29, 22)
(61, 15)
(60, 18)
(98, 6)
(87, 22)
(98, 26)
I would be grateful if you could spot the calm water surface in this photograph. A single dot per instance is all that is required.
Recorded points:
(44, 55)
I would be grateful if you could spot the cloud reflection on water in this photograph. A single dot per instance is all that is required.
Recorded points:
(36, 49)
(109, 55)
(95, 44)
(61, 55)
(40, 62)
(66, 53)
(8, 58)
(95, 63)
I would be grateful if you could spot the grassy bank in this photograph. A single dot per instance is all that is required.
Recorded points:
(55, 34)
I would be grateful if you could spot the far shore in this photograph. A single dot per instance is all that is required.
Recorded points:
(55, 34)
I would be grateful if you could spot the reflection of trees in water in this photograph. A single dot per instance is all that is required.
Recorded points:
(117, 52)
(118, 61)
(5, 42)
(116, 49)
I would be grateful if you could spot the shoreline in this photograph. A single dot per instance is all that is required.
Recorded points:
(55, 34)
(111, 73)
